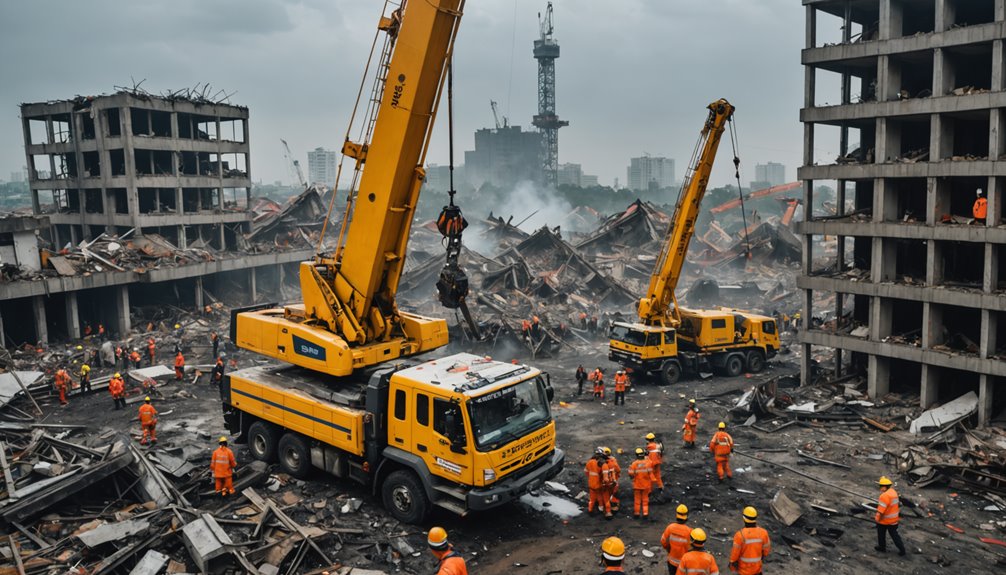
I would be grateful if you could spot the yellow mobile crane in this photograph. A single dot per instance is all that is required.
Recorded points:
(667, 338)
(461, 432)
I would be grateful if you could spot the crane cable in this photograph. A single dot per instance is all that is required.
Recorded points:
(740, 192)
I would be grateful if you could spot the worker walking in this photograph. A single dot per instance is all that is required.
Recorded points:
(610, 472)
(450, 561)
(222, 464)
(691, 424)
(981, 208)
(217, 377)
(641, 472)
(151, 352)
(722, 445)
(675, 539)
(61, 380)
(215, 342)
(117, 388)
(655, 451)
(581, 376)
(613, 465)
(888, 517)
(612, 555)
(751, 544)
(148, 421)
(594, 486)
(179, 366)
(597, 376)
(621, 382)
(85, 378)
(697, 561)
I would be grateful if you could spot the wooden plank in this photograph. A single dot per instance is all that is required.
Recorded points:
(885, 427)
(17, 556)
(259, 502)
(8, 479)
(42, 544)
(819, 460)
(62, 265)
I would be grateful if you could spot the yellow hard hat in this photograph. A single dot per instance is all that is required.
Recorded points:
(650, 436)
(117, 375)
(682, 511)
(437, 538)
(640, 452)
(722, 425)
(178, 325)
(80, 347)
(147, 399)
(85, 367)
(223, 439)
(698, 536)
(884, 481)
(613, 549)
(750, 514)
(691, 401)
(607, 451)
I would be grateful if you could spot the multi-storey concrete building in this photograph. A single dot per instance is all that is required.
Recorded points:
(321, 167)
(905, 118)
(768, 175)
(648, 172)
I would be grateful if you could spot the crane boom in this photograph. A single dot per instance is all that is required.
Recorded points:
(349, 318)
(660, 300)
(294, 163)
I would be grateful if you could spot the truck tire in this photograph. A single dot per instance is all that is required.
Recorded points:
(262, 439)
(294, 455)
(733, 365)
(756, 361)
(670, 373)
(404, 497)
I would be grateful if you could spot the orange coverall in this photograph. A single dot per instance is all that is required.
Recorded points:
(641, 472)
(222, 465)
(722, 445)
(148, 422)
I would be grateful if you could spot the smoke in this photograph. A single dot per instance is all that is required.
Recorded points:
(540, 206)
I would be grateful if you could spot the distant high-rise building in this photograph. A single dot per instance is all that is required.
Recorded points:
(19, 175)
(572, 175)
(772, 173)
(321, 166)
(588, 181)
(503, 157)
(648, 172)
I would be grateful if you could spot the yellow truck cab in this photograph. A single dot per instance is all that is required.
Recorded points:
(462, 432)
(646, 349)
(735, 341)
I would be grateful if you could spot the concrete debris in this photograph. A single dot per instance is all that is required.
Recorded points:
(948, 413)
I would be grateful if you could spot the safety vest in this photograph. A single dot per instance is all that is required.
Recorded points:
(621, 380)
(980, 209)
(223, 462)
(675, 540)
(593, 471)
(692, 418)
(698, 562)
(116, 386)
(147, 414)
(889, 510)
(722, 444)
(179, 360)
(452, 564)
(750, 545)
(609, 477)
(655, 451)
(615, 467)
(641, 472)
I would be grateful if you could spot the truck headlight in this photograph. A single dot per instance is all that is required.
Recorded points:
(488, 475)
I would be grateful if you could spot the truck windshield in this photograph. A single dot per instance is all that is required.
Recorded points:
(507, 414)
(627, 335)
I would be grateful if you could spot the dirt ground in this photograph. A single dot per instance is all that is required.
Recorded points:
(518, 538)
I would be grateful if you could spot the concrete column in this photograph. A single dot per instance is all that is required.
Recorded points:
(943, 73)
(878, 380)
(932, 325)
(179, 206)
(929, 392)
(182, 239)
(890, 20)
(944, 15)
(3, 337)
(986, 391)
(881, 318)
(132, 194)
(998, 82)
(252, 284)
(809, 30)
(124, 324)
(72, 315)
(990, 273)
(41, 327)
(199, 293)
(987, 336)
(1000, 9)
(223, 236)
(932, 217)
(934, 263)
(885, 260)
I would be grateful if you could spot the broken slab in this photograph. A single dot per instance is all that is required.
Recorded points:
(112, 532)
(10, 388)
(151, 564)
(784, 509)
(206, 541)
(937, 418)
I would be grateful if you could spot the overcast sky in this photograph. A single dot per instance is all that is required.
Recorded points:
(634, 76)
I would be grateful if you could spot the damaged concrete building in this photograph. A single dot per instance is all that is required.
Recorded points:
(912, 94)
(144, 199)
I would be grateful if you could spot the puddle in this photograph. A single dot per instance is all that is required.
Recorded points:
(561, 508)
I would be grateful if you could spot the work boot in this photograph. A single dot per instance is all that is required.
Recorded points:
(609, 516)
(879, 548)
(901, 553)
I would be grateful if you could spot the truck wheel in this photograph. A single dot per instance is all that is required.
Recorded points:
(756, 361)
(670, 372)
(294, 456)
(734, 365)
(262, 441)
(404, 497)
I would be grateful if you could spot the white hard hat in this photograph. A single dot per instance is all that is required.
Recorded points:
(978, 192)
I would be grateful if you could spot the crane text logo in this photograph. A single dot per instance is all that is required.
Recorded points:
(303, 347)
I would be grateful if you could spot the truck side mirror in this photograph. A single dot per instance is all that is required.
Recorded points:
(549, 390)
(455, 432)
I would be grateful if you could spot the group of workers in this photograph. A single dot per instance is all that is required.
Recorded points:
(596, 377)
(603, 473)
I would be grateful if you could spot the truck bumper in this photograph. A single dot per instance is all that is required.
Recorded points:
(509, 489)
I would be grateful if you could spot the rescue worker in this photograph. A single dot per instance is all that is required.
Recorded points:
(87, 330)
(85, 378)
(581, 376)
(613, 495)
(134, 356)
(179, 366)
(593, 324)
(722, 445)
(981, 208)
(121, 357)
(641, 472)
(697, 561)
(612, 555)
(675, 539)
(621, 382)
(525, 329)
(597, 376)
(215, 341)
(218, 376)
(117, 388)
(655, 451)
(101, 332)
(222, 464)
(148, 421)
(751, 544)
(151, 352)
(888, 516)
(451, 562)
(61, 380)
(610, 472)
(583, 320)
(691, 424)
(535, 328)
(594, 485)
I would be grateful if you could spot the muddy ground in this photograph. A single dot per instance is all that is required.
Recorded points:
(518, 538)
